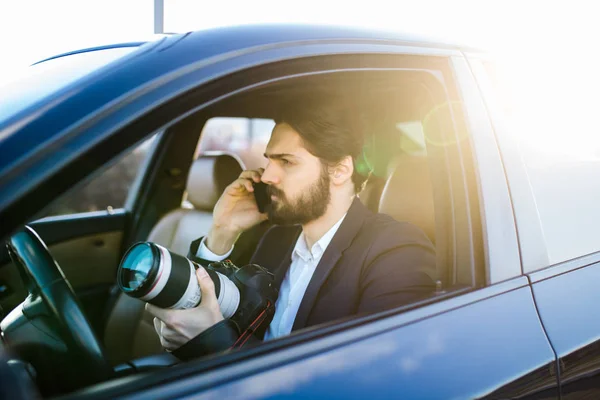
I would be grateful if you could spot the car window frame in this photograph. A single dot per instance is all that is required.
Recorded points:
(201, 116)
(471, 264)
(139, 127)
(503, 258)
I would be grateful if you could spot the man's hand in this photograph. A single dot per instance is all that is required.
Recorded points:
(235, 212)
(177, 327)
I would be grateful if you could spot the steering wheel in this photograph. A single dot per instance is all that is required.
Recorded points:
(43, 277)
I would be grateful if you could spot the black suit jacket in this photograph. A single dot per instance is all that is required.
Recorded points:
(372, 263)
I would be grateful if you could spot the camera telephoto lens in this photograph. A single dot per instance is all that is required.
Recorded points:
(158, 276)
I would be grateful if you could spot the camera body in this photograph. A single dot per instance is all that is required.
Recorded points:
(256, 286)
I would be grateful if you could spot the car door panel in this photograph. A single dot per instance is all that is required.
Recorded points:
(439, 357)
(493, 347)
(87, 247)
(569, 309)
(60, 228)
(89, 260)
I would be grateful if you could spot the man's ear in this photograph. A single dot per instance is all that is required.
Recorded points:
(342, 171)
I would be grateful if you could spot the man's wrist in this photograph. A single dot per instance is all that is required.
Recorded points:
(204, 253)
(220, 240)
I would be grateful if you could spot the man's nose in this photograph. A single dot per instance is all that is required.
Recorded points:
(269, 175)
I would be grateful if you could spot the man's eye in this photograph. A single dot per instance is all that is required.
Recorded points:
(284, 161)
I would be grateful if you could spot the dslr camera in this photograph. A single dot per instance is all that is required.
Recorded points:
(154, 274)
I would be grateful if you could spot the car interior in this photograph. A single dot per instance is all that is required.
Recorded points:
(417, 154)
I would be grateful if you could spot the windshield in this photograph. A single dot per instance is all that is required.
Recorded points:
(40, 80)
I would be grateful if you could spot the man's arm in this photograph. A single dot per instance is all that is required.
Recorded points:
(235, 212)
(199, 252)
(397, 276)
(240, 254)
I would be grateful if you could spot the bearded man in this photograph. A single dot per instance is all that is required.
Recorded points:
(331, 257)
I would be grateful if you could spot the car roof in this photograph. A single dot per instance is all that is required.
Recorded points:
(282, 33)
(213, 42)
(182, 50)
(91, 49)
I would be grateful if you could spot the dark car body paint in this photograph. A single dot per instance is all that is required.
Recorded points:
(483, 344)
(568, 306)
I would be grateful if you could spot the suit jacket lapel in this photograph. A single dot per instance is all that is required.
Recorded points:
(340, 242)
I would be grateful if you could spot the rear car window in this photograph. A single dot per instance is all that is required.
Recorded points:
(245, 137)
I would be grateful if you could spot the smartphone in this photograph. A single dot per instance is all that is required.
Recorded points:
(262, 197)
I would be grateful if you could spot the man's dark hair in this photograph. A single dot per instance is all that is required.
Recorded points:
(330, 132)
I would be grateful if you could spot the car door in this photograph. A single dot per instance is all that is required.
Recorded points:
(484, 344)
(468, 342)
(566, 295)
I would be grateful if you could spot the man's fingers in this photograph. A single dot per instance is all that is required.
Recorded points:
(248, 185)
(156, 325)
(173, 337)
(242, 184)
(169, 334)
(253, 175)
(207, 287)
(247, 178)
(160, 313)
(164, 335)
(168, 345)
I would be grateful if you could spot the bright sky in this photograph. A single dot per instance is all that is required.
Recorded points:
(30, 29)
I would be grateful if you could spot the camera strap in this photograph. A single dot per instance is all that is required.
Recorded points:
(265, 316)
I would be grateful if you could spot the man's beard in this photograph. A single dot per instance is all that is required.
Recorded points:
(311, 204)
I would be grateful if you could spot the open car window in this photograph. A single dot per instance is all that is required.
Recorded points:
(245, 137)
(106, 190)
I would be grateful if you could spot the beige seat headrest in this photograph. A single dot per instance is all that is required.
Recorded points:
(408, 194)
(209, 176)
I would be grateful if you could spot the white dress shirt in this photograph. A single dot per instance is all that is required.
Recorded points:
(304, 263)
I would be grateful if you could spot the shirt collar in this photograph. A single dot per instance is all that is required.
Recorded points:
(301, 249)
